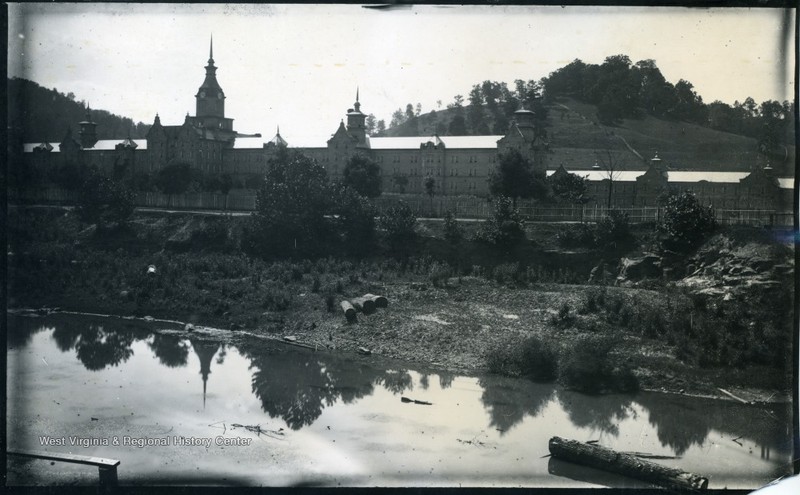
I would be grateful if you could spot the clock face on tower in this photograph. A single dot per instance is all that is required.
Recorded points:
(219, 95)
(202, 94)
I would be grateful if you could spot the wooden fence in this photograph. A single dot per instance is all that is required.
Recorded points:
(422, 206)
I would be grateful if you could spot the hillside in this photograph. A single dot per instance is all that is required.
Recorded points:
(38, 114)
(576, 136)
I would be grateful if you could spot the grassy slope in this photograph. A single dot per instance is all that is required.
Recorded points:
(451, 325)
(575, 135)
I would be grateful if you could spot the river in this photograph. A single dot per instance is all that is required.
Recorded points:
(175, 410)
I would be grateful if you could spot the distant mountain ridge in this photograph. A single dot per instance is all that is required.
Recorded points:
(38, 114)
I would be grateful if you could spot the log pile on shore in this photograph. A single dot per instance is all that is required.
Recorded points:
(366, 304)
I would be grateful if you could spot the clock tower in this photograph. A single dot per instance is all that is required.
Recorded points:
(210, 98)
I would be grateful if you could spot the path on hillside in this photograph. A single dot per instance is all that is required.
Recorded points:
(627, 145)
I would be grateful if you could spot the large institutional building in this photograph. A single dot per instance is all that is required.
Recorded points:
(459, 165)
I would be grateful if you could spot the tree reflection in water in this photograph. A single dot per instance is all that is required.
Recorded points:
(170, 350)
(95, 347)
(297, 386)
(597, 412)
(21, 330)
(509, 400)
(683, 422)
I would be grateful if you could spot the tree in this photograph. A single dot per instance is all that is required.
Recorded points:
(291, 206)
(453, 233)
(504, 228)
(611, 164)
(370, 124)
(401, 182)
(380, 128)
(399, 226)
(686, 223)
(225, 185)
(568, 188)
(355, 217)
(363, 175)
(103, 201)
(430, 190)
(513, 177)
(174, 178)
(458, 126)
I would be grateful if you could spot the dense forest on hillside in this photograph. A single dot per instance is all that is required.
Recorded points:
(618, 88)
(39, 114)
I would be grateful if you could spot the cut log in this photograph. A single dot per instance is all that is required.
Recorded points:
(349, 311)
(380, 301)
(364, 305)
(608, 460)
(733, 396)
(364, 351)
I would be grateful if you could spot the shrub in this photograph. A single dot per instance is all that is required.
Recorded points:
(582, 235)
(399, 225)
(356, 220)
(330, 303)
(564, 317)
(539, 360)
(211, 235)
(587, 367)
(504, 228)
(101, 200)
(453, 233)
(686, 223)
(534, 359)
(439, 274)
(613, 230)
(277, 300)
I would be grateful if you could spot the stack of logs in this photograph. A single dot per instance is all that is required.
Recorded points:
(366, 304)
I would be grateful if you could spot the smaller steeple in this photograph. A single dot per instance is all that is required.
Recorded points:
(88, 132)
(211, 51)
(357, 105)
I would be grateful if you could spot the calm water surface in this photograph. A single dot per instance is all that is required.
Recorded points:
(333, 419)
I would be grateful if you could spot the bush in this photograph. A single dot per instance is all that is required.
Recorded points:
(212, 235)
(453, 233)
(564, 317)
(439, 274)
(356, 220)
(539, 360)
(399, 225)
(504, 228)
(582, 235)
(587, 367)
(686, 223)
(534, 359)
(614, 230)
(101, 200)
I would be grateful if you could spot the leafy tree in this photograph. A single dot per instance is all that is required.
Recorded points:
(71, 175)
(401, 181)
(686, 223)
(290, 208)
(569, 188)
(458, 126)
(430, 190)
(504, 228)
(355, 219)
(103, 201)
(175, 178)
(363, 175)
(614, 230)
(399, 226)
(453, 233)
(380, 128)
(370, 124)
(513, 177)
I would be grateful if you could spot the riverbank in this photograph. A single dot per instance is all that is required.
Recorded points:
(436, 317)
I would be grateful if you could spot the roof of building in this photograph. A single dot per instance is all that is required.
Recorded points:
(103, 144)
(676, 176)
(450, 142)
(245, 143)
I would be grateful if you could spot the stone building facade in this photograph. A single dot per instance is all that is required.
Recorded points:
(459, 165)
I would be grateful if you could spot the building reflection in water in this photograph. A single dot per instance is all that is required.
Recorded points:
(205, 351)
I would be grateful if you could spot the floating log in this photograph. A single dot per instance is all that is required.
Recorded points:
(364, 351)
(290, 338)
(380, 301)
(364, 305)
(608, 460)
(733, 396)
(421, 402)
(349, 311)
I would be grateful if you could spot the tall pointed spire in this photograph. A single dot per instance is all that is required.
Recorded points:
(211, 50)
(357, 105)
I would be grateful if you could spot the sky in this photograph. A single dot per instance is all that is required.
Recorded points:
(298, 66)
